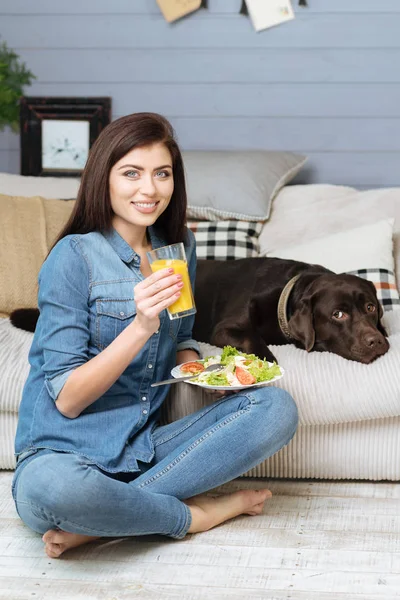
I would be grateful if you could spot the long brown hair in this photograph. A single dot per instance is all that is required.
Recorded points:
(92, 211)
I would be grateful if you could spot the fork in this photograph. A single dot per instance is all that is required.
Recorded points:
(214, 367)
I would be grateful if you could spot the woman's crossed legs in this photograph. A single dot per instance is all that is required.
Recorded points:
(72, 501)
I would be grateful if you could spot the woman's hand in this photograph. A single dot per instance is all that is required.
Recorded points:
(154, 294)
(216, 395)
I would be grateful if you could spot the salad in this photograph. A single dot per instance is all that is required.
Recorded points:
(239, 369)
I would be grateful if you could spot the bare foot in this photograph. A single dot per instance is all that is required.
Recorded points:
(57, 541)
(207, 512)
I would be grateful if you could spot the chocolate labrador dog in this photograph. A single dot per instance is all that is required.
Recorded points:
(253, 302)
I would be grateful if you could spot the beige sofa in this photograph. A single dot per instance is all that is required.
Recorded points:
(349, 413)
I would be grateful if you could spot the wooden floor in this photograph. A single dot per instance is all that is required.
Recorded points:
(315, 541)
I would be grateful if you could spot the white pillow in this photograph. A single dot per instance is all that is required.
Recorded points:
(64, 188)
(370, 246)
(305, 212)
(365, 251)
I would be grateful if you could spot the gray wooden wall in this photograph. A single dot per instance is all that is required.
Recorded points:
(326, 84)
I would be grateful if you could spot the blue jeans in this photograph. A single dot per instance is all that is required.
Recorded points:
(54, 490)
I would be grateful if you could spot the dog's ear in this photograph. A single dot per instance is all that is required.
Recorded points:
(301, 325)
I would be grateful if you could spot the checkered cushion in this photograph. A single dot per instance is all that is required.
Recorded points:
(226, 240)
(385, 283)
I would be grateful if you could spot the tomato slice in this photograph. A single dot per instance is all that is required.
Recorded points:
(192, 367)
(244, 377)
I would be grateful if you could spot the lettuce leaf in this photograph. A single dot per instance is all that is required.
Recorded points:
(217, 379)
(262, 371)
(228, 353)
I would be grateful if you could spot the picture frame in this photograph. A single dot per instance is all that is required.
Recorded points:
(56, 133)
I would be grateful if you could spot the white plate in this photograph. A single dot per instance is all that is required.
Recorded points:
(176, 373)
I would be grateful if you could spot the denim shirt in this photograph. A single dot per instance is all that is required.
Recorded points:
(86, 299)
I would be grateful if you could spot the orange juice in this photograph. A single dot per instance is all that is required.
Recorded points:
(185, 300)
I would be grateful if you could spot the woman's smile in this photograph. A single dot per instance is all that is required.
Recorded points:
(145, 207)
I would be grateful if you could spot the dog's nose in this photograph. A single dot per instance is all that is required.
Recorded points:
(372, 340)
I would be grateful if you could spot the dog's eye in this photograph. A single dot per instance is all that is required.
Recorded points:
(371, 308)
(340, 315)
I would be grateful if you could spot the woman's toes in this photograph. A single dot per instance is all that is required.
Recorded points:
(256, 501)
(51, 536)
(256, 510)
(53, 550)
(58, 541)
(262, 495)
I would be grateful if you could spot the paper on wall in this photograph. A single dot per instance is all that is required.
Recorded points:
(175, 9)
(267, 13)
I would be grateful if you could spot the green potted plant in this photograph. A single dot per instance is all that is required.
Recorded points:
(13, 76)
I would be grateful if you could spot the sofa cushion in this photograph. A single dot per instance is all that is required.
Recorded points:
(47, 187)
(29, 226)
(14, 366)
(23, 248)
(225, 240)
(56, 216)
(385, 282)
(306, 212)
(356, 450)
(365, 251)
(236, 185)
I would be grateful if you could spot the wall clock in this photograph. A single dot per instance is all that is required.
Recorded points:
(57, 133)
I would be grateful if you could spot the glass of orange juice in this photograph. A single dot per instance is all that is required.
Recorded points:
(174, 257)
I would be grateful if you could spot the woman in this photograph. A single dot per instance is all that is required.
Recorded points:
(92, 459)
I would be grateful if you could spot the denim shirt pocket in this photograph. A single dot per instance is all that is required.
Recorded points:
(112, 317)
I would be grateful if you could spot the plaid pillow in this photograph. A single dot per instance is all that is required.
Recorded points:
(385, 283)
(226, 240)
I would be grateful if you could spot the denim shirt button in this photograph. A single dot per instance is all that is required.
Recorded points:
(158, 331)
(150, 366)
(144, 398)
(122, 314)
(144, 412)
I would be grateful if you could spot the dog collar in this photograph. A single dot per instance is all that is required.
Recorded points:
(282, 305)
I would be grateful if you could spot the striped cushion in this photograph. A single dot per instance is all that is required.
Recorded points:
(385, 282)
(226, 240)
